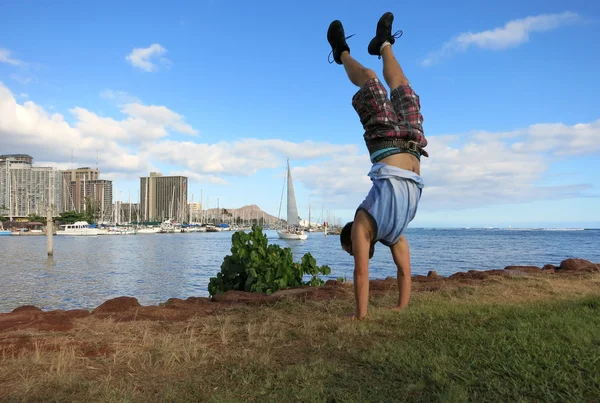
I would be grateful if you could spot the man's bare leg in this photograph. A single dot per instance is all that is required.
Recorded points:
(392, 72)
(357, 73)
(401, 255)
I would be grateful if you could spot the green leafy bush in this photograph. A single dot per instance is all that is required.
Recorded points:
(256, 266)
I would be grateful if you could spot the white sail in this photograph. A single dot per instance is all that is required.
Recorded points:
(292, 209)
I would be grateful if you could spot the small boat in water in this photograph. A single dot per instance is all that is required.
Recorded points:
(290, 233)
(148, 230)
(212, 228)
(4, 232)
(79, 228)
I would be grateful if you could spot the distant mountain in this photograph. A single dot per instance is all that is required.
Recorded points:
(249, 212)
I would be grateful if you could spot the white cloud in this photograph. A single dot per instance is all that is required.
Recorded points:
(21, 79)
(512, 34)
(23, 95)
(5, 57)
(145, 58)
(560, 139)
(199, 178)
(119, 97)
(160, 116)
(240, 157)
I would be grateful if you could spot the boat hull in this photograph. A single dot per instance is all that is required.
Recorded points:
(292, 236)
(87, 232)
(155, 230)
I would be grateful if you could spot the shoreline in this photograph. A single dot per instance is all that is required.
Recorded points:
(128, 308)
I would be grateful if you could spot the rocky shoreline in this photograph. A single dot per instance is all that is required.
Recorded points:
(175, 309)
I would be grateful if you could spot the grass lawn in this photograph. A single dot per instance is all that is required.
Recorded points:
(508, 339)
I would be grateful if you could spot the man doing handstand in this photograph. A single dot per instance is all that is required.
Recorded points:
(395, 140)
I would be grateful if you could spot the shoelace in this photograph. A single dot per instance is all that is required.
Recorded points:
(330, 53)
(396, 35)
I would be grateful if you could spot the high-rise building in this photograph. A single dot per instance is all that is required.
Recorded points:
(25, 189)
(83, 186)
(73, 181)
(163, 197)
(195, 212)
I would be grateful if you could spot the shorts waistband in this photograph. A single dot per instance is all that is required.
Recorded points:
(394, 145)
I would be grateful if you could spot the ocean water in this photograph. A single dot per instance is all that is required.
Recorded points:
(85, 271)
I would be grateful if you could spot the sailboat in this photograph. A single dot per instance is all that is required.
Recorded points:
(292, 230)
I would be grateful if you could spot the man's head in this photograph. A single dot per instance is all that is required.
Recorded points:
(346, 240)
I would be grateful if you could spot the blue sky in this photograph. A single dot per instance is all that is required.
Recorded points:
(225, 92)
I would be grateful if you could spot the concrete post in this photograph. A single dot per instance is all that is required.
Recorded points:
(49, 231)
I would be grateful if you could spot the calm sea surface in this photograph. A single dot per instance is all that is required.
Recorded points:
(86, 271)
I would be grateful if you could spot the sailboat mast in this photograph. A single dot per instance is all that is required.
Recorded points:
(172, 204)
(10, 207)
(129, 202)
(282, 190)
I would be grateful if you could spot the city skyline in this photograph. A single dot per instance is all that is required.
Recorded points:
(507, 94)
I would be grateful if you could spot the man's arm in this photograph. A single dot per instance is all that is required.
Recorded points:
(401, 255)
(361, 245)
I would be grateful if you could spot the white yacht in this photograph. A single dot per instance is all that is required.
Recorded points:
(167, 227)
(148, 230)
(79, 228)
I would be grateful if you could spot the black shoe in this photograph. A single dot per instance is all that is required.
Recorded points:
(383, 34)
(337, 39)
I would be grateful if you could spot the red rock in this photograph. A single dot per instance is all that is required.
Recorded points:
(427, 279)
(293, 292)
(549, 269)
(525, 269)
(432, 273)
(240, 296)
(422, 279)
(197, 300)
(191, 302)
(119, 304)
(496, 272)
(579, 265)
(52, 321)
(470, 275)
(26, 308)
(77, 313)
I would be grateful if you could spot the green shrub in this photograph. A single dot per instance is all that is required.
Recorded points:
(256, 266)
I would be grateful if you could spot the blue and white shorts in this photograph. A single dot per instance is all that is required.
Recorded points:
(392, 201)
